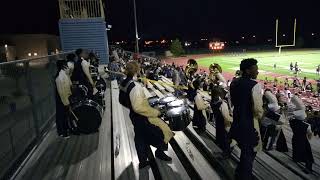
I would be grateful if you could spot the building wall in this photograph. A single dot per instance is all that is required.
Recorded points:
(85, 33)
(23, 44)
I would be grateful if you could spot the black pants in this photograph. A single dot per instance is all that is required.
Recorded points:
(150, 135)
(62, 119)
(244, 168)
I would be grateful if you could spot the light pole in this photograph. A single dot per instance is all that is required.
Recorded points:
(136, 26)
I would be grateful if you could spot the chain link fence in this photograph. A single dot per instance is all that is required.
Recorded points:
(27, 106)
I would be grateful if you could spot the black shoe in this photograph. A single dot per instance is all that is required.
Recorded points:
(307, 171)
(144, 164)
(226, 155)
(161, 155)
(65, 136)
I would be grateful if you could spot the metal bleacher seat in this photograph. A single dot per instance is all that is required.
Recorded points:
(79, 157)
(264, 166)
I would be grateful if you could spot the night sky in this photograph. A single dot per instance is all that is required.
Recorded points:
(186, 19)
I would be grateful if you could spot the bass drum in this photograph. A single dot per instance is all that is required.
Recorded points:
(86, 116)
(178, 117)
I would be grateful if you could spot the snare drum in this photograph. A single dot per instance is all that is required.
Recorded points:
(166, 100)
(86, 116)
(153, 101)
(178, 117)
(176, 103)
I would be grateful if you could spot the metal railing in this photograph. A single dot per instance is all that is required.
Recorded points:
(27, 106)
(81, 9)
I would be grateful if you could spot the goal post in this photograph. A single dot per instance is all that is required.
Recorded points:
(280, 46)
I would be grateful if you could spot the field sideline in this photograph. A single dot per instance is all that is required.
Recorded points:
(307, 61)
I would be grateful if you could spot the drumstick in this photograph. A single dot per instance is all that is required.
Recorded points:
(74, 115)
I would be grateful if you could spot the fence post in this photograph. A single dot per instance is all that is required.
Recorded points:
(32, 99)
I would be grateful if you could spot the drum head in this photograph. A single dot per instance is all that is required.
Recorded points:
(176, 103)
(89, 116)
(179, 118)
(153, 101)
(167, 100)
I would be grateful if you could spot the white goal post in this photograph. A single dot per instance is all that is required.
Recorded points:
(294, 36)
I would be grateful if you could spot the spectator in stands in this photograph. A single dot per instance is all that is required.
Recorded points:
(63, 92)
(200, 115)
(301, 149)
(304, 83)
(81, 74)
(318, 86)
(222, 118)
(148, 128)
(246, 96)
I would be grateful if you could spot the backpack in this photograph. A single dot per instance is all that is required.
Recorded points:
(125, 90)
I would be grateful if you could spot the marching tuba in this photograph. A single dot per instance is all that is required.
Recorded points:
(214, 69)
(191, 68)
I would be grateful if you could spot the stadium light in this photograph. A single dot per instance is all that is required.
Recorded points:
(242, 37)
(312, 34)
(284, 35)
(254, 36)
(6, 45)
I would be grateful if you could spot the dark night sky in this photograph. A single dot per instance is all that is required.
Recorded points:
(187, 19)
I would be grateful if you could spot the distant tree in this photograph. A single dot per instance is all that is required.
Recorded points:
(176, 48)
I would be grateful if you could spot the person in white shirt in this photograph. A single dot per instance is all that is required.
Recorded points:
(63, 92)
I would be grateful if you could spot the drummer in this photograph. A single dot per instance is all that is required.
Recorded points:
(81, 74)
(200, 115)
(148, 128)
(63, 92)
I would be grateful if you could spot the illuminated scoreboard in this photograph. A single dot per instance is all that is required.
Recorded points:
(216, 45)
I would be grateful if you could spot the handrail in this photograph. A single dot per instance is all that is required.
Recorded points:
(34, 59)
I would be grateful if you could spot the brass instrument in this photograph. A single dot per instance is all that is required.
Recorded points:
(191, 68)
(214, 70)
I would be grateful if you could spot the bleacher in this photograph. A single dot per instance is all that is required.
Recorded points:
(111, 154)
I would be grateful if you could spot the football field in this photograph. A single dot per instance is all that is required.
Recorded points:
(307, 60)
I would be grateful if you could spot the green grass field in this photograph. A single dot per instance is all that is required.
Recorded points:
(307, 60)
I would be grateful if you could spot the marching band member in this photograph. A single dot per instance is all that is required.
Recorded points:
(246, 97)
(200, 116)
(81, 74)
(148, 128)
(301, 149)
(223, 119)
(63, 92)
(70, 62)
(273, 124)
